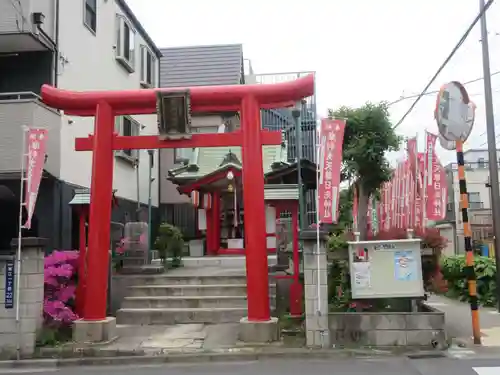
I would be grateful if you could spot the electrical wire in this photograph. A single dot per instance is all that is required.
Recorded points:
(446, 61)
(436, 91)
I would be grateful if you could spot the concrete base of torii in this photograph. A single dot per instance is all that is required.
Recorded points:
(259, 332)
(93, 332)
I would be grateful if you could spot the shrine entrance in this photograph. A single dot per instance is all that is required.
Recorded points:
(213, 181)
(173, 108)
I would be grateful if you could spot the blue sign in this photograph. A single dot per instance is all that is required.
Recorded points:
(9, 284)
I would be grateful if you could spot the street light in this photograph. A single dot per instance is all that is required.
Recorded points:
(296, 113)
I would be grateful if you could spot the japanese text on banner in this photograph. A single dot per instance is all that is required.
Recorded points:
(332, 136)
(36, 147)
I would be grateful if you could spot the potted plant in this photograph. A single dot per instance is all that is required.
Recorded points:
(169, 244)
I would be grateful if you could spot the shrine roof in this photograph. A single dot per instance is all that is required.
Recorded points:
(207, 160)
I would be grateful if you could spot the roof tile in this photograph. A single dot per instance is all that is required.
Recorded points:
(201, 65)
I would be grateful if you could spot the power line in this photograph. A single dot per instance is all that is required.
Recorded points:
(443, 65)
(436, 91)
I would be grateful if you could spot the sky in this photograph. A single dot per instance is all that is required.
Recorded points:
(361, 50)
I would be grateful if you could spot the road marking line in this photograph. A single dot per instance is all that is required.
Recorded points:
(486, 370)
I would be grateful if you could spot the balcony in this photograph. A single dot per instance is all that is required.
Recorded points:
(18, 110)
(18, 32)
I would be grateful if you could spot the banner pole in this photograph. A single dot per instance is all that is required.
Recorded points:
(17, 272)
(416, 180)
(318, 171)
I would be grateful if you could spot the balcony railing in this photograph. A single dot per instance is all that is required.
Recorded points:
(476, 205)
(472, 166)
(472, 206)
(22, 95)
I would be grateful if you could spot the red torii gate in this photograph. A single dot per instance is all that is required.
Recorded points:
(105, 105)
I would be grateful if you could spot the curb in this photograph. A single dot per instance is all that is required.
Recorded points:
(193, 358)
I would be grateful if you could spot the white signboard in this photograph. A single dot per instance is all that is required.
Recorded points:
(386, 269)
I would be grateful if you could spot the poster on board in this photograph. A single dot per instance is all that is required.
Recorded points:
(405, 266)
(362, 274)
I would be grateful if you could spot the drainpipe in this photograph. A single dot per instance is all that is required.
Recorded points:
(54, 42)
(137, 182)
(150, 185)
(56, 32)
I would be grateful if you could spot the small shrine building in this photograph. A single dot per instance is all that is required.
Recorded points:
(213, 180)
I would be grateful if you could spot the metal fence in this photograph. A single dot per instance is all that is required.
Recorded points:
(182, 215)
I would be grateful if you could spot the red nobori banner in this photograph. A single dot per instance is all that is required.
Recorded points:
(433, 203)
(331, 138)
(437, 207)
(36, 144)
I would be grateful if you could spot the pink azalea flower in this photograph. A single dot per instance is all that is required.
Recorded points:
(60, 268)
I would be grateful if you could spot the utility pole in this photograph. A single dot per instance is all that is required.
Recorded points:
(492, 148)
(296, 113)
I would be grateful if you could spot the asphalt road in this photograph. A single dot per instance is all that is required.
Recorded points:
(379, 366)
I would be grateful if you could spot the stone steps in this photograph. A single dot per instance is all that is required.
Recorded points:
(167, 316)
(168, 279)
(218, 261)
(208, 295)
(188, 290)
(142, 270)
(184, 302)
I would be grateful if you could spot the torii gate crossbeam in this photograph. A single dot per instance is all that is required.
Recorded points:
(105, 105)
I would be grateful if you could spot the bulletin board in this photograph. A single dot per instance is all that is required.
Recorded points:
(386, 269)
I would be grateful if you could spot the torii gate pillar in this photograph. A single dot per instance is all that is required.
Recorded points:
(105, 105)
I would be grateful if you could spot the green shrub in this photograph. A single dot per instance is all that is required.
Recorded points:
(339, 285)
(170, 243)
(452, 268)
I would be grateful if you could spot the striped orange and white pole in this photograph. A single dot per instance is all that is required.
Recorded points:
(469, 254)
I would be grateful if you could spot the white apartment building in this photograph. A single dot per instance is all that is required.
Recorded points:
(74, 45)
(477, 176)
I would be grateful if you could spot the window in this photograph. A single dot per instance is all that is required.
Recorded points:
(475, 200)
(480, 163)
(127, 126)
(148, 67)
(90, 14)
(183, 155)
(474, 197)
(125, 43)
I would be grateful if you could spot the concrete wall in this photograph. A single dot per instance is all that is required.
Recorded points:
(387, 329)
(31, 299)
(14, 114)
(448, 232)
(315, 288)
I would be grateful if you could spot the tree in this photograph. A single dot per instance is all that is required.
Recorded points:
(345, 211)
(338, 238)
(368, 136)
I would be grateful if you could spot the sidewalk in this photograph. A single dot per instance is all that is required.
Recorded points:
(459, 324)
